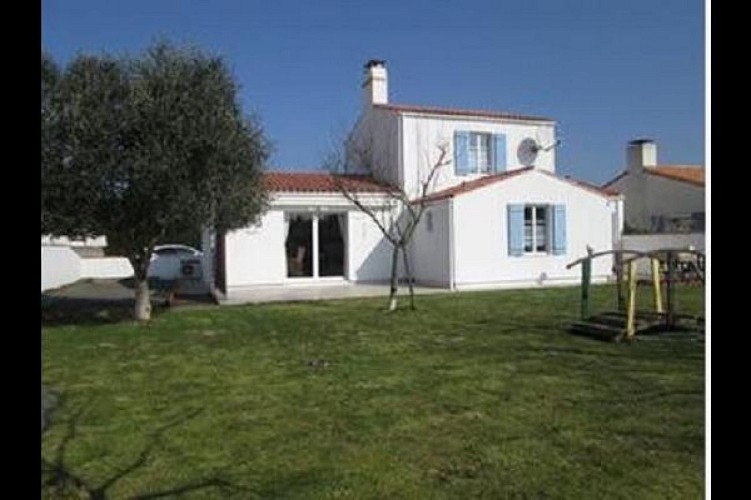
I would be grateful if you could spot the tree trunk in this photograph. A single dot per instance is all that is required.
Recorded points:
(143, 300)
(394, 278)
(408, 272)
(140, 264)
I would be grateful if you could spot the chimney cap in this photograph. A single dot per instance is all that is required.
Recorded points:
(637, 142)
(375, 62)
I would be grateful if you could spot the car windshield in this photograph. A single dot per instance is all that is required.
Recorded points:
(178, 251)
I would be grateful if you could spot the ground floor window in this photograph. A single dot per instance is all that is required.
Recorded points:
(536, 229)
(314, 245)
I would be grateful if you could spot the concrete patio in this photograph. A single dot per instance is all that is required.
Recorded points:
(280, 293)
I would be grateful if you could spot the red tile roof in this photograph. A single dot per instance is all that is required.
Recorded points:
(605, 191)
(692, 174)
(323, 182)
(468, 186)
(472, 185)
(432, 110)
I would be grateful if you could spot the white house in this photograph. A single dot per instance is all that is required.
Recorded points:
(660, 198)
(498, 215)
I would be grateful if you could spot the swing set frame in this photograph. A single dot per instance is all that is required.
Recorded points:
(664, 262)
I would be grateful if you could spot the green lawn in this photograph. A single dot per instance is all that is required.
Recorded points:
(473, 395)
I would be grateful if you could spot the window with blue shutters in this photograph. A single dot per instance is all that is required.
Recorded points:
(516, 230)
(479, 153)
(461, 153)
(536, 229)
(499, 152)
(559, 229)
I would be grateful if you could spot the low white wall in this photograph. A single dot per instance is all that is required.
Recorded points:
(647, 242)
(60, 266)
(99, 241)
(106, 268)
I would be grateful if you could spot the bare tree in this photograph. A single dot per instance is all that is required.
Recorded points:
(400, 230)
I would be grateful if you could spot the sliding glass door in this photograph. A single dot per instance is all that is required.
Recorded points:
(299, 246)
(314, 245)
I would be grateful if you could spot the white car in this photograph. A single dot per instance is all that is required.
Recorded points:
(172, 262)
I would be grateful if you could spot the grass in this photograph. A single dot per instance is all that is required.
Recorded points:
(473, 395)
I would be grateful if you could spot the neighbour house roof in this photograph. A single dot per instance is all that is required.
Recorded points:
(320, 182)
(466, 187)
(691, 174)
(472, 113)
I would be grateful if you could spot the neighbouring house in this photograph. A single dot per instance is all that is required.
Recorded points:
(498, 216)
(660, 198)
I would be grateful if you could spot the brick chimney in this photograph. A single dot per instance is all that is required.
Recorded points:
(376, 83)
(641, 153)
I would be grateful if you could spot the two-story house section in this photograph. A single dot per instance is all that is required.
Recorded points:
(498, 215)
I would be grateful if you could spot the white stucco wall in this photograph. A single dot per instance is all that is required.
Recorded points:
(106, 268)
(429, 251)
(423, 133)
(60, 266)
(481, 233)
(369, 254)
(255, 255)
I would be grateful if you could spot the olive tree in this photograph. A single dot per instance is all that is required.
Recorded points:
(137, 148)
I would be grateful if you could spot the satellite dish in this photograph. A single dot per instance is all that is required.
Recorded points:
(529, 149)
(527, 152)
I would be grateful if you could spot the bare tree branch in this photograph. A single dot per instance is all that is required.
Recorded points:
(412, 210)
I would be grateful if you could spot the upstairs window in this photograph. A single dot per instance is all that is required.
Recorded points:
(479, 153)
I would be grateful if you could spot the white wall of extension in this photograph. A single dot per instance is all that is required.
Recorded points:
(430, 252)
(256, 256)
(481, 253)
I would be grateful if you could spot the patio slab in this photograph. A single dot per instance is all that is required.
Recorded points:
(285, 293)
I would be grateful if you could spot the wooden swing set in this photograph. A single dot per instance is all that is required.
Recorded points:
(669, 266)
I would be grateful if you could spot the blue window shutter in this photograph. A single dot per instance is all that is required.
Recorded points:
(461, 152)
(499, 152)
(516, 230)
(559, 229)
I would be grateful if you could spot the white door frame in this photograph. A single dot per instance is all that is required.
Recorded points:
(315, 215)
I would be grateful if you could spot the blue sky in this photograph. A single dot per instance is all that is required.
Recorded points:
(607, 72)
